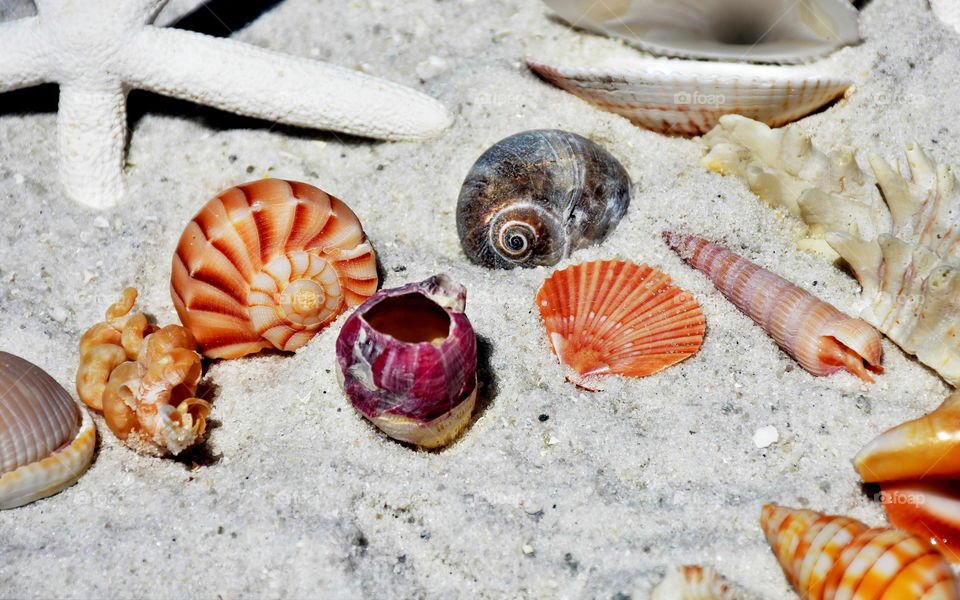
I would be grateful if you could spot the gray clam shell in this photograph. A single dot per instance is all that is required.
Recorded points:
(534, 197)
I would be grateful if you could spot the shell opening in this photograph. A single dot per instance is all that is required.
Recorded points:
(835, 352)
(411, 318)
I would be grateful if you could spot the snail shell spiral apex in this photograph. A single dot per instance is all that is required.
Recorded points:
(268, 264)
(534, 197)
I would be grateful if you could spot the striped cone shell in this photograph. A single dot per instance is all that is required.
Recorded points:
(688, 98)
(832, 557)
(820, 337)
(616, 317)
(267, 264)
(46, 439)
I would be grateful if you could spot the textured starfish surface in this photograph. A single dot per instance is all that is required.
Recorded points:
(97, 51)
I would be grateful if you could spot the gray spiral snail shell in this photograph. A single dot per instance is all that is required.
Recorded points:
(534, 197)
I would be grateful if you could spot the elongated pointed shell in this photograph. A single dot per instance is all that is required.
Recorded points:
(918, 466)
(46, 438)
(615, 317)
(783, 31)
(533, 198)
(831, 557)
(691, 582)
(689, 98)
(820, 337)
(267, 264)
(407, 360)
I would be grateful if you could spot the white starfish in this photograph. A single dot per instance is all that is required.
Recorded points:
(98, 50)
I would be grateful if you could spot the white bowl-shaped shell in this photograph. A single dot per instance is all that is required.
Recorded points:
(677, 97)
(267, 264)
(46, 438)
(781, 31)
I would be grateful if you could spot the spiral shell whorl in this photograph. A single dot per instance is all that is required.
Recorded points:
(267, 264)
(536, 196)
(827, 557)
(523, 233)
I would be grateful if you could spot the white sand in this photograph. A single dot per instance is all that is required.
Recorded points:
(304, 497)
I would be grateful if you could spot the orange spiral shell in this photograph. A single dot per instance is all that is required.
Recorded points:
(829, 557)
(268, 264)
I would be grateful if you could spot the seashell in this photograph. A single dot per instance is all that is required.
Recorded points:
(46, 439)
(820, 337)
(782, 31)
(144, 380)
(267, 264)
(831, 193)
(689, 98)
(917, 464)
(536, 196)
(924, 209)
(615, 317)
(827, 557)
(947, 11)
(783, 168)
(911, 295)
(686, 582)
(407, 360)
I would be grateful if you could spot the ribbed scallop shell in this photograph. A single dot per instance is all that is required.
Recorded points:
(615, 317)
(783, 31)
(267, 264)
(693, 582)
(688, 98)
(832, 557)
(820, 337)
(534, 197)
(917, 464)
(46, 439)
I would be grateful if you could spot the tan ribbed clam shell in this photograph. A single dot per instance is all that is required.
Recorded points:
(267, 264)
(688, 98)
(46, 439)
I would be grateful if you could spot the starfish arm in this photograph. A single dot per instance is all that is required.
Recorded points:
(23, 62)
(252, 81)
(91, 130)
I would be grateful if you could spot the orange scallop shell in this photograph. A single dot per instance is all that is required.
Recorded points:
(607, 317)
(268, 264)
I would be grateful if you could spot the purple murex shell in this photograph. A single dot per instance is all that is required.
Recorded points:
(407, 360)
